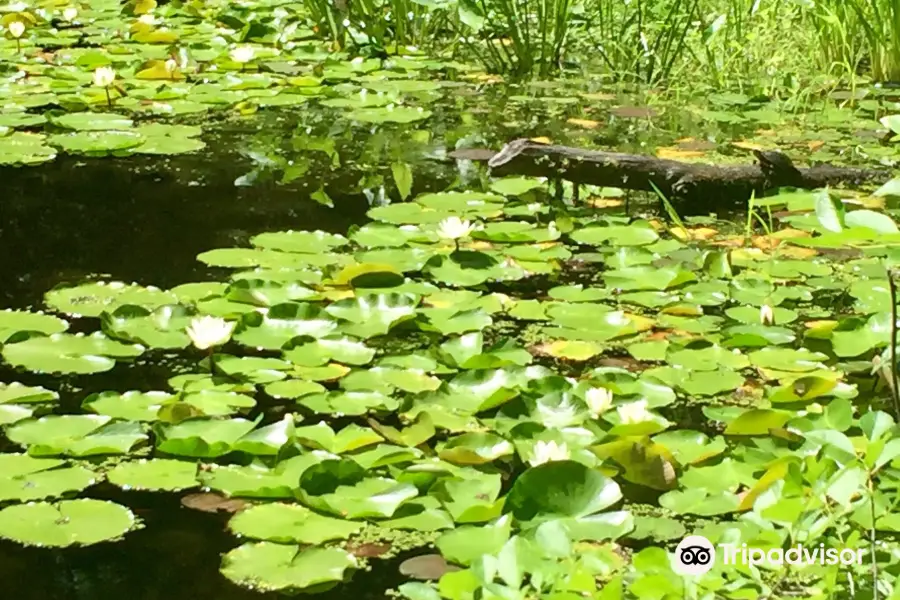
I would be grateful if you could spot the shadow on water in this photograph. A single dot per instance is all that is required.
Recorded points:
(136, 222)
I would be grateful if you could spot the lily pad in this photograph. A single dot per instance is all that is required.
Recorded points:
(66, 353)
(67, 523)
(269, 567)
(157, 475)
(561, 489)
(287, 523)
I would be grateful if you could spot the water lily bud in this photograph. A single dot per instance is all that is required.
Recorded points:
(599, 400)
(206, 332)
(766, 315)
(16, 29)
(171, 65)
(453, 228)
(548, 451)
(70, 13)
(147, 19)
(104, 76)
(242, 54)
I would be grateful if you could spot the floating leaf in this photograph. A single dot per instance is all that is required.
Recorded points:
(269, 567)
(286, 524)
(67, 523)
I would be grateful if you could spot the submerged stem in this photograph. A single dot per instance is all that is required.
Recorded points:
(212, 363)
(895, 393)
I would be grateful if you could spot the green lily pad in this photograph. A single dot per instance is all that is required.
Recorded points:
(157, 475)
(202, 438)
(91, 121)
(14, 321)
(389, 114)
(298, 241)
(269, 567)
(67, 523)
(639, 233)
(290, 523)
(96, 142)
(370, 315)
(24, 478)
(20, 148)
(163, 327)
(259, 481)
(339, 487)
(561, 489)
(66, 353)
(282, 323)
(350, 438)
(92, 299)
(76, 435)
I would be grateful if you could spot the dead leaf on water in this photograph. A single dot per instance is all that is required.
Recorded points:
(677, 153)
(743, 145)
(694, 144)
(367, 550)
(585, 123)
(739, 254)
(213, 503)
(815, 145)
(634, 112)
(798, 252)
(696, 233)
(735, 241)
(426, 567)
(598, 202)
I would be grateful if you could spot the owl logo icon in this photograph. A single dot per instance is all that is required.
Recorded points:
(695, 555)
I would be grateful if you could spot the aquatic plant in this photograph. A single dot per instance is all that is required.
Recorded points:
(709, 369)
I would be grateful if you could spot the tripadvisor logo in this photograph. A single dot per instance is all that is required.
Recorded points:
(696, 555)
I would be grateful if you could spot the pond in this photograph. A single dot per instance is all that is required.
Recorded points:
(309, 349)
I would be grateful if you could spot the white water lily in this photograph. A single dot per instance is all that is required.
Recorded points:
(766, 315)
(634, 412)
(70, 13)
(599, 400)
(104, 76)
(206, 332)
(454, 228)
(548, 451)
(242, 54)
(16, 29)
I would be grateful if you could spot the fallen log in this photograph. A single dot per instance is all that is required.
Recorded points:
(680, 181)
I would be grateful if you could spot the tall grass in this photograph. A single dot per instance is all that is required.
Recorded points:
(641, 40)
(851, 30)
(518, 37)
(721, 43)
(377, 25)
